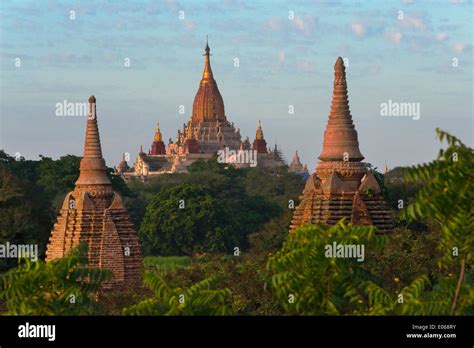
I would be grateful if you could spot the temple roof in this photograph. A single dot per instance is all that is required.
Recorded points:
(340, 138)
(208, 104)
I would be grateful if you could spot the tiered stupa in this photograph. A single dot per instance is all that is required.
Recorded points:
(342, 186)
(95, 214)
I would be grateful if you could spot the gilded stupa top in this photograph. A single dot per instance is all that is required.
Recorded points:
(259, 133)
(158, 136)
(208, 104)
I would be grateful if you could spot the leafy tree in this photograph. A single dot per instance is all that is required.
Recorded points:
(57, 177)
(199, 299)
(276, 185)
(245, 275)
(271, 236)
(308, 282)
(61, 287)
(193, 218)
(399, 189)
(25, 217)
(419, 298)
(407, 255)
(446, 197)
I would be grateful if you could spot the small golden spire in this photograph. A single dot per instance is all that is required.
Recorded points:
(207, 74)
(141, 148)
(259, 134)
(158, 136)
(385, 168)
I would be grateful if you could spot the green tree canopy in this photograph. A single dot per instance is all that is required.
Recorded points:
(193, 218)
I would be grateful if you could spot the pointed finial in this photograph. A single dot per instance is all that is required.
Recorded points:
(339, 66)
(141, 148)
(259, 133)
(92, 99)
(158, 136)
(207, 44)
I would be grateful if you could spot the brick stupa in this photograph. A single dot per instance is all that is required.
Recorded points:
(342, 186)
(94, 213)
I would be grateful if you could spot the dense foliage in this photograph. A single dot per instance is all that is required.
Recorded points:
(194, 218)
(198, 299)
(308, 281)
(446, 197)
(61, 287)
(245, 275)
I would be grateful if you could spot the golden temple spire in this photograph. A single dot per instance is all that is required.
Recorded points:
(207, 74)
(208, 105)
(92, 167)
(158, 136)
(259, 134)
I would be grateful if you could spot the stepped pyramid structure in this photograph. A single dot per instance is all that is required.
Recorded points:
(342, 186)
(94, 213)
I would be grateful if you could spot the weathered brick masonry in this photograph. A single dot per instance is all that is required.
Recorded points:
(94, 213)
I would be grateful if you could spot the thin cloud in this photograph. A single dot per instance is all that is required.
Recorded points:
(394, 37)
(358, 29)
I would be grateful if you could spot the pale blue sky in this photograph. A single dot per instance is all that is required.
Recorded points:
(282, 62)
